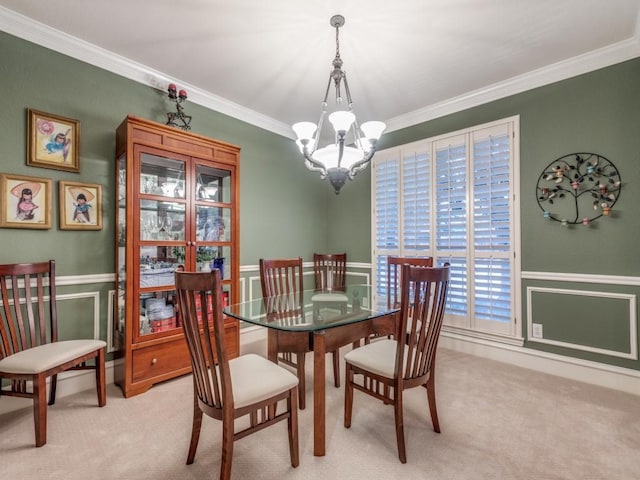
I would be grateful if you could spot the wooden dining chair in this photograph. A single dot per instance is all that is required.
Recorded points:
(385, 368)
(329, 274)
(330, 271)
(394, 275)
(227, 389)
(30, 351)
(283, 293)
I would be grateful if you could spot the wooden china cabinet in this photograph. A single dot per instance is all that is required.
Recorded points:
(177, 208)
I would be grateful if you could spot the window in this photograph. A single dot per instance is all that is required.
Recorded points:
(452, 197)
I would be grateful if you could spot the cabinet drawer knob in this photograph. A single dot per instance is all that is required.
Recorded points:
(154, 361)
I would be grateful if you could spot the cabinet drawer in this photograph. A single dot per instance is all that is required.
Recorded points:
(160, 359)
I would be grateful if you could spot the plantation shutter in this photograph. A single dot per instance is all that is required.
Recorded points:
(452, 197)
(387, 217)
(451, 218)
(416, 180)
(492, 193)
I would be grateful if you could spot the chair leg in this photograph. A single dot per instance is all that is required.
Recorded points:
(100, 379)
(52, 389)
(292, 425)
(399, 416)
(227, 447)
(431, 398)
(348, 395)
(336, 367)
(195, 429)
(302, 387)
(40, 409)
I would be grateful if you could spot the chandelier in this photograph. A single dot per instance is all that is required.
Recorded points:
(354, 144)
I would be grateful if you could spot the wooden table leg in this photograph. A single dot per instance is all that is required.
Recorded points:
(319, 354)
(272, 345)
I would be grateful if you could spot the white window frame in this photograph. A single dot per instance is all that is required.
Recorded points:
(468, 323)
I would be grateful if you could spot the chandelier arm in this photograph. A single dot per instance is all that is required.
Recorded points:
(314, 165)
(323, 173)
(361, 164)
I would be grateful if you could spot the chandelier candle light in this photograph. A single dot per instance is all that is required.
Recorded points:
(354, 144)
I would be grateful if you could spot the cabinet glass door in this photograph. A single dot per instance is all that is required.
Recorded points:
(214, 214)
(161, 176)
(162, 237)
(121, 274)
(213, 184)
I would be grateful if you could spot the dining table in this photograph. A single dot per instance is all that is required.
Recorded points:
(328, 320)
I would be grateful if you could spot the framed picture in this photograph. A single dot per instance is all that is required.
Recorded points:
(54, 142)
(80, 206)
(26, 201)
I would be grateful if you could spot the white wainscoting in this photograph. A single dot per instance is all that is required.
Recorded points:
(632, 352)
(253, 339)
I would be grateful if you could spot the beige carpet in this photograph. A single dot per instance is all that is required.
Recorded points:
(498, 422)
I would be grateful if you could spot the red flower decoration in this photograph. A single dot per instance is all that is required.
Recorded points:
(45, 127)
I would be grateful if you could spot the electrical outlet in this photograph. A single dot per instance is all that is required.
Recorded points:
(536, 330)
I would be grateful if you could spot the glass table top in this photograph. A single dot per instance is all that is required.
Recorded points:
(321, 309)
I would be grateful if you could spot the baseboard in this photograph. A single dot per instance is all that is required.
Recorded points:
(254, 340)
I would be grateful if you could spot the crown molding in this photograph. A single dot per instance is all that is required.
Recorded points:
(41, 34)
(594, 60)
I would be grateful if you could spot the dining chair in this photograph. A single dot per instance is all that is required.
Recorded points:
(394, 275)
(330, 271)
(30, 351)
(386, 368)
(226, 389)
(283, 292)
(329, 274)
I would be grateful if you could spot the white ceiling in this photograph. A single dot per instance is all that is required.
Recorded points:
(267, 62)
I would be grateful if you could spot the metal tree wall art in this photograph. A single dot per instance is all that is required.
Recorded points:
(578, 188)
(178, 116)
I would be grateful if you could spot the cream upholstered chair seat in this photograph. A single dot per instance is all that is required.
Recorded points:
(331, 297)
(44, 357)
(254, 379)
(379, 357)
(335, 300)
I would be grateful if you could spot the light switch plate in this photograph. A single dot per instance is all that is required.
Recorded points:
(536, 330)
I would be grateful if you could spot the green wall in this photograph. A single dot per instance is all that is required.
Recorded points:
(287, 211)
(282, 204)
(596, 112)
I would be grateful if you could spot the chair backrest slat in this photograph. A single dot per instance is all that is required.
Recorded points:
(329, 271)
(29, 306)
(422, 304)
(394, 275)
(209, 359)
